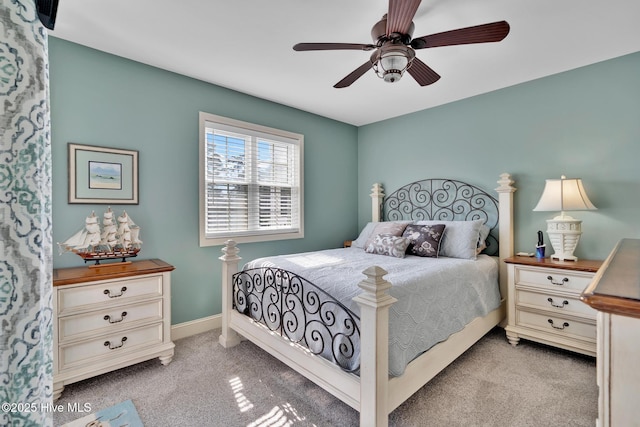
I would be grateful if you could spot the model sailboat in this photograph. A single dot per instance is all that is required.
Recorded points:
(111, 241)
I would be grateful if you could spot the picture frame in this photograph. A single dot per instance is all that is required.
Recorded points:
(102, 175)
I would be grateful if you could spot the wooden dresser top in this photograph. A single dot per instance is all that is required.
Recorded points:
(73, 275)
(616, 288)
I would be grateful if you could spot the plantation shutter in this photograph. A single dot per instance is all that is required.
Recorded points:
(252, 182)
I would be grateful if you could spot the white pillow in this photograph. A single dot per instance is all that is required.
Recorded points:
(482, 240)
(460, 238)
(484, 233)
(364, 235)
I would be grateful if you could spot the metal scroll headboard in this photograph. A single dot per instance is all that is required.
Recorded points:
(446, 200)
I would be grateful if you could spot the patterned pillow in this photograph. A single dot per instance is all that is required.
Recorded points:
(425, 239)
(460, 238)
(392, 228)
(386, 244)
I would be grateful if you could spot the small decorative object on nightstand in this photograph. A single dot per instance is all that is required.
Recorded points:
(544, 303)
(109, 317)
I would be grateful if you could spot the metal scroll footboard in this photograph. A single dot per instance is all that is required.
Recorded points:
(301, 312)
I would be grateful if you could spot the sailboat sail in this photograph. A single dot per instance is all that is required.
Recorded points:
(108, 236)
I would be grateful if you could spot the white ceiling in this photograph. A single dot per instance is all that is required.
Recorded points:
(246, 45)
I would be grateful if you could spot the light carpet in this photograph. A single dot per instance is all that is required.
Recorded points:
(492, 384)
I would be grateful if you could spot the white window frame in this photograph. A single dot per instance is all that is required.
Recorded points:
(250, 129)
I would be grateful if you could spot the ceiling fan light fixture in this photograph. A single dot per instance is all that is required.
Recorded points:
(392, 61)
(394, 46)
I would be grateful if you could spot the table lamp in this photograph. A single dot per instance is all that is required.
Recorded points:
(564, 194)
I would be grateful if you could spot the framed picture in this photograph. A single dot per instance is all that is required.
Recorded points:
(102, 175)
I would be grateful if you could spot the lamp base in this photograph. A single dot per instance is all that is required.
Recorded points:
(564, 234)
(563, 257)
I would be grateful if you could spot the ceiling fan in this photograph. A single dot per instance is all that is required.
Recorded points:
(394, 48)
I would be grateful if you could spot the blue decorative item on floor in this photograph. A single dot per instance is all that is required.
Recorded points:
(120, 415)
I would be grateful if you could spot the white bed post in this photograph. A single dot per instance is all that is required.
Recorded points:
(374, 305)
(505, 229)
(377, 194)
(228, 337)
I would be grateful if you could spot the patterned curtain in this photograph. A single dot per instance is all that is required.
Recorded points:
(25, 218)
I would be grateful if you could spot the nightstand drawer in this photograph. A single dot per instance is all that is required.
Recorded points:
(553, 302)
(553, 279)
(557, 325)
(109, 319)
(111, 345)
(75, 298)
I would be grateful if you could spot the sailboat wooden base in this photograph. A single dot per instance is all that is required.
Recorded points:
(111, 264)
(117, 254)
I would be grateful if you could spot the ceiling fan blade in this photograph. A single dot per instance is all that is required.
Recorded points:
(485, 33)
(422, 73)
(332, 46)
(354, 75)
(400, 15)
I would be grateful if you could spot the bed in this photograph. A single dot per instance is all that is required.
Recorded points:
(350, 342)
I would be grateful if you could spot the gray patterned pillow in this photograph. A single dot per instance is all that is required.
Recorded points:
(386, 244)
(460, 238)
(424, 239)
(391, 228)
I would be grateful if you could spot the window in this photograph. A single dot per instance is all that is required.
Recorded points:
(250, 182)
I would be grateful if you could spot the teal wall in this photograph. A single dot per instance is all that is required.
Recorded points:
(104, 100)
(582, 123)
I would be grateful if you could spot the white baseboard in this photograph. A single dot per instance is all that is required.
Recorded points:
(193, 327)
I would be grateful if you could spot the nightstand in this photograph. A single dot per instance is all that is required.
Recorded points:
(109, 317)
(544, 303)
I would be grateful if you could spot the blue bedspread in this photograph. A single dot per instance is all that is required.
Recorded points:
(436, 296)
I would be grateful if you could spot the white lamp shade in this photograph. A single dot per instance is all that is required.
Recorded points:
(564, 195)
(564, 231)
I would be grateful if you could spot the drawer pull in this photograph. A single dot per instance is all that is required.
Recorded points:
(553, 304)
(110, 320)
(564, 325)
(113, 347)
(107, 292)
(565, 280)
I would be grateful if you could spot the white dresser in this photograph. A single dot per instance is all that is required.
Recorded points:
(544, 303)
(109, 317)
(615, 293)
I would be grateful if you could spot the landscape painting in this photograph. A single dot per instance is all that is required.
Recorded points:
(102, 175)
(105, 175)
